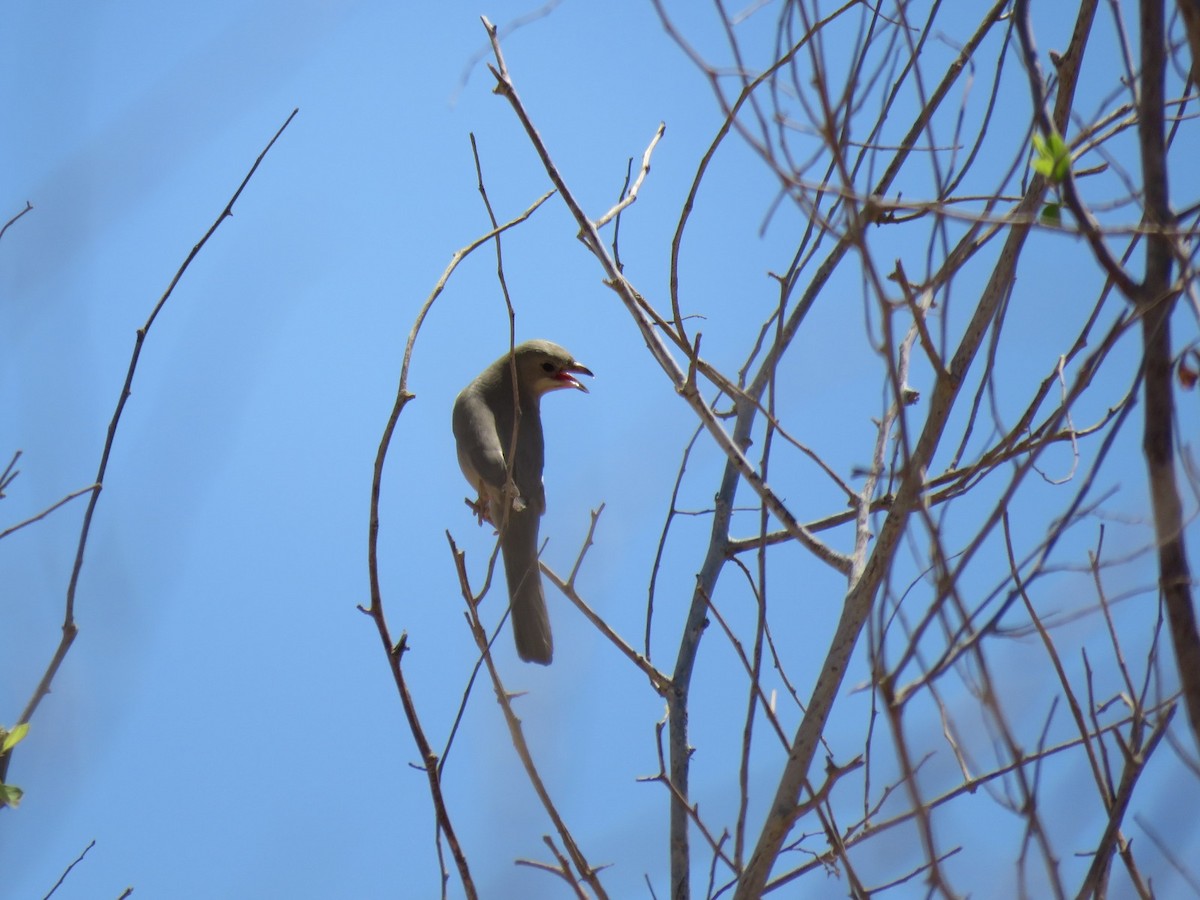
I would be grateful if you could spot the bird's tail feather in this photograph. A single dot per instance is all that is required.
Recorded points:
(530, 619)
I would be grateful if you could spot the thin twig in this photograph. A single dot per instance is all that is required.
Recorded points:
(28, 207)
(67, 870)
(631, 195)
(45, 512)
(69, 627)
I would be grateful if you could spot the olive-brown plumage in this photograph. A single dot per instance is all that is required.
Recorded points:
(484, 419)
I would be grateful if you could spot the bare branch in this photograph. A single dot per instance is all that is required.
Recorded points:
(45, 512)
(4, 228)
(69, 628)
(630, 196)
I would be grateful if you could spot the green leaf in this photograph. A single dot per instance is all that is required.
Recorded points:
(1062, 158)
(1052, 214)
(1051, 157)
(11, 795)
(14, 737)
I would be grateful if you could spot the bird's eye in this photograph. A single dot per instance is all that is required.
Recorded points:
(547, 367)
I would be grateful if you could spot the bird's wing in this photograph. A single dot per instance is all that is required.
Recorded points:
(531, 452)
(480, 454)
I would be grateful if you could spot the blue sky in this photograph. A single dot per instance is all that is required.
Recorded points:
(225, 724)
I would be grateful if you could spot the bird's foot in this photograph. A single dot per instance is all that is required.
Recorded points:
(480, 508)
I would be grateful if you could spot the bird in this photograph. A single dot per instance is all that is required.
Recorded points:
(509, 481)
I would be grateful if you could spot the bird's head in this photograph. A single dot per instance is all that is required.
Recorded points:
(543, 367)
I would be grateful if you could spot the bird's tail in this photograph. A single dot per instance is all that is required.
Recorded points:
(530, 619)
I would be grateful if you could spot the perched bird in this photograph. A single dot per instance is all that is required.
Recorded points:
(484, 417)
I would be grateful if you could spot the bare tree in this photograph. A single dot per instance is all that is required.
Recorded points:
(928, 159)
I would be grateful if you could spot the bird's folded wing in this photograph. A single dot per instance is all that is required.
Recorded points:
(479, 451)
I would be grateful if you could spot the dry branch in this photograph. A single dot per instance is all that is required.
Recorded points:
(69, 627)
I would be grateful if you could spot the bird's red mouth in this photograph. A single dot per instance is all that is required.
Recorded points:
(568, 379)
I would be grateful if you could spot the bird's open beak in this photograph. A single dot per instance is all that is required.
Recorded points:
(567, 376)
